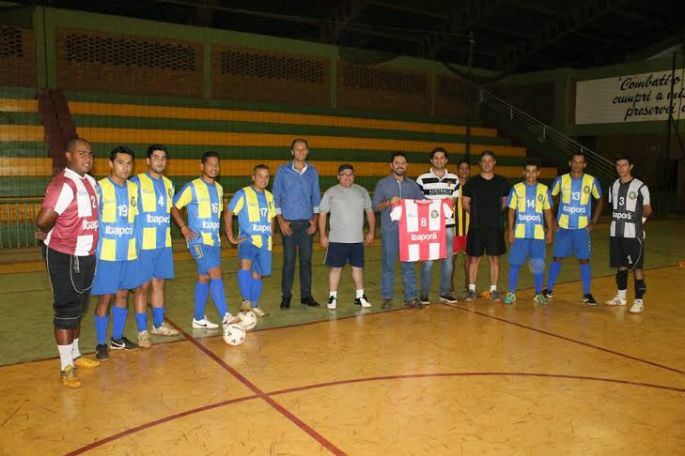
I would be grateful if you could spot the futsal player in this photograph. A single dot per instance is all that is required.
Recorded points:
(203, 198)
(462, 219)
(153, 233)
(630, 204)
(254, 206)
(68, 224)
(117, 253)
(576, 191)
(529, 201)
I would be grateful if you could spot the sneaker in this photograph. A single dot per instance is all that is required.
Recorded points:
(204, 324)
(246, 305)
(637, 306)
(470, 295)
(548, 293)
(540, 299)
(144, 339)
(616, 301)
(425, 300)
(589, 300)
(387, 304)
(495, 296)
(87, 363)
(259, 312)
(509, 298)
(102, 352)
(122, 344)
(332, 303)
(69, 378)
(414, 303)
(362, 302)
(163, 330)
(309, 301)
(448, 298)
(230, 320)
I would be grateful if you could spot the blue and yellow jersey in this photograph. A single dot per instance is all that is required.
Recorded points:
(255, 211)
(117, 211)
(575, 202)
(153, 224)
(529, 202)
(205, 203)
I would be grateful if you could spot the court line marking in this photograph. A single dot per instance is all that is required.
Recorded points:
(296, 389)
(565, 338)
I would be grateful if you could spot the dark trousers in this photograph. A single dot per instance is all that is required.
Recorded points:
(298, 240)
(71, 278)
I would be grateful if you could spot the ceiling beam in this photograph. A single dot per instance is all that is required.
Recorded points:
(601, 39)
(345, 12)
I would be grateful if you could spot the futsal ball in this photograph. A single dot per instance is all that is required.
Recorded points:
(234, 334)
(248, 320)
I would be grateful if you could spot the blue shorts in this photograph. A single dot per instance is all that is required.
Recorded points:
(157, 263)
(566, 242)
(260, 258)
(111, 276)
(206, 256)
(338, 254)
(522, 249)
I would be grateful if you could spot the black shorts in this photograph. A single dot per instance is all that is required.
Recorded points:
(338, 254)
(626, 252)
(485, 240)
(71, 278)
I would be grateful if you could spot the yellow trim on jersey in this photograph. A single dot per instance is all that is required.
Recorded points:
(148, 201)
(253, 211)
(204, 203)
(518, 203)
(564, 183)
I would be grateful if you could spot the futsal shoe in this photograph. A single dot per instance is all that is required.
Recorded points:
(495, 296)
(510, 298)
(163, 330)
(589, 300)
(362, 302)
(548, 293)
(87, 363)
(616, 301)
(309, 301)
(230, 320)
(387, 304)
(637, 306)
(102, 352)
(285, 303)
(69, 378)
(122, 344)
(332, 303)
(470, 295)
(448, 298)
(259, 312)
(246, 305)
(204, 324)
(425, 300)
(540, 299)
(144, 339)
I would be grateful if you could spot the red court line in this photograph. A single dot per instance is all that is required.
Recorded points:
(567, 339)
(295, 420)
(295, 389)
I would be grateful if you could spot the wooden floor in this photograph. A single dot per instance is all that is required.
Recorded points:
(474, 378)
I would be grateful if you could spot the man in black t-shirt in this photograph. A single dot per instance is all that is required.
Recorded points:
(485, 197)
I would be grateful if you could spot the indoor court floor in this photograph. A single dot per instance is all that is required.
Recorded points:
(468, 378)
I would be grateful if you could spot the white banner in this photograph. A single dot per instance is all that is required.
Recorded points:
(630, 98)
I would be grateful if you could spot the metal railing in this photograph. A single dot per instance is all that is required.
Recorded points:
(545, 133)
(17, 221)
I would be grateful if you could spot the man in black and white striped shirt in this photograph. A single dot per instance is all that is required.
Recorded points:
(630, 207)
(438, 183)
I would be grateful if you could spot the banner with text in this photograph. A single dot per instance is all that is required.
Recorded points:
(630, 98)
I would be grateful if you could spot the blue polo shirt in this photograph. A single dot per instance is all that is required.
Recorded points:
(388, 187)
(296, 195)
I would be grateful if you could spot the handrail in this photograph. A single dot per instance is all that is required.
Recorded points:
(546, 133)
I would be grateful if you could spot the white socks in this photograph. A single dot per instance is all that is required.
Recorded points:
(622, 294)
(333, 293)
(493, 288)
(472, 287)
(75, 352)
(360, 293)
(65, 356)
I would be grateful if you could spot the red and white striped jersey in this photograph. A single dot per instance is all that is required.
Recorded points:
(422, 228)
(74, 199)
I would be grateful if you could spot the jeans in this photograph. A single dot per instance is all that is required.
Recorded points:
(446, 270)
(390, 244)
(298, 240)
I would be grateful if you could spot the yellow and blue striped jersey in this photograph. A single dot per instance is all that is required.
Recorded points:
(205, 204)
(153, 224)
(255, 211)
(118, 209)
(575, 202)
(529, 202)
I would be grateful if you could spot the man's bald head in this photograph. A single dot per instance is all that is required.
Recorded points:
(73, 144)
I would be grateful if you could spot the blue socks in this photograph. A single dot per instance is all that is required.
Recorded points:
(256, 291)
(245, 283)
(554, 270)
(118, 321)
(538, 278)
(101, 324)
(513, 277)
(141, 321)
(201, 293)
(585, 276)
(158, 316)
(216, 289)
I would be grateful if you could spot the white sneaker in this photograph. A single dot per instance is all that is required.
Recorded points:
(616, 301)
(362, 302)
(332, 303)
(637, 306)
(230, 320)
(204, 324)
